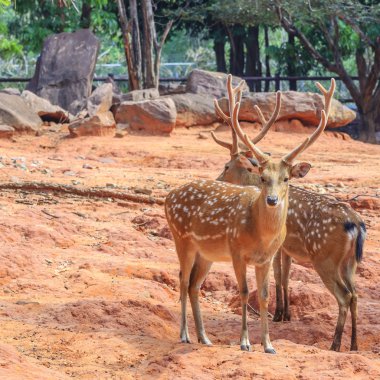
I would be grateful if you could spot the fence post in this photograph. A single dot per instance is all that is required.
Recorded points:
(277, 82)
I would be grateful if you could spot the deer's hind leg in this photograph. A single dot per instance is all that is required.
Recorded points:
(286, 264)
(348, 274)
(331, 277)
(186, 254)
(277, 270)
(198, 274)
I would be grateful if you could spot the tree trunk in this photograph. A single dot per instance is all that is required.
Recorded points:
(85, 17)
(135, 39)
(134, 75)
(149, 39)
(220, 54)
(291, 62)
(267, 62)
(237, 50)
(253, 67)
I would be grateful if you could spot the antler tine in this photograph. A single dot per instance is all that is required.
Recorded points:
(261, 156)
(289, 158)
(266, 125)
(232, 92)
(220, 113)
(224, 144)
(328, 95)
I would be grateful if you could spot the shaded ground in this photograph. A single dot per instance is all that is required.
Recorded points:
(89, 287)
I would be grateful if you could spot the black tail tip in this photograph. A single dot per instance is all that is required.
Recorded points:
(351, 227)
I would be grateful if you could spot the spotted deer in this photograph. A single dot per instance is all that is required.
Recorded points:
(217, 221)
(320, 230)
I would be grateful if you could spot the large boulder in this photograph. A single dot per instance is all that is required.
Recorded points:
(65, 68)
(15, 113)
(155, 116)
(101, 124)
(100, 100)
(212, 84)
(303, 106)
(194, 109)
(44, 109)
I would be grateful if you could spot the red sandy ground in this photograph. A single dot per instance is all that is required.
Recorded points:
(89, 287)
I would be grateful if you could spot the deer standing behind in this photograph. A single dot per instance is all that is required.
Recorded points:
(216, 221)
(320, 230)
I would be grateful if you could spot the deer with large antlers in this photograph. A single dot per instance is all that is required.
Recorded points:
(216, 221)
(320, 230)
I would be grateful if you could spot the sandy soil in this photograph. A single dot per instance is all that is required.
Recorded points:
(89, 287)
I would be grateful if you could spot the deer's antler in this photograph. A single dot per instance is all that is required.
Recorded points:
(234, 96)
(328, 95)
(261, 156)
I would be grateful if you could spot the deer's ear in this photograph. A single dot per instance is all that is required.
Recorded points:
(249, 163)
(300, 170)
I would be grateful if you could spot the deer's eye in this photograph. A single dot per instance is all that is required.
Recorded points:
(262, 179)
(286, 179)
(226, 167)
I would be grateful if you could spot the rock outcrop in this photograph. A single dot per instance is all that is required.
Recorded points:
(194, 109)
(65, 68)
(155, 116)
(303, 106)
(15, 113)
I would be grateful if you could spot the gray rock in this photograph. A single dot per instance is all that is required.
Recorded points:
(100, 100)
(155, 116)
(65, 68)
(212, 84)
(11, 91)
(44, 109)
(15, 113)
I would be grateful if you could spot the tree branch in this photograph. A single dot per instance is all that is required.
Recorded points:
(357, 29)
(83, 192)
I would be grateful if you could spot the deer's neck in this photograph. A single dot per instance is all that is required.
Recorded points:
(271, 219)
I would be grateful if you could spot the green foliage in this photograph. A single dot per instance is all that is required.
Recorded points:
(9, 46)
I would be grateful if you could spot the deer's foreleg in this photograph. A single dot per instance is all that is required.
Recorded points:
(262, 279)
(186, 257)
(198, 274)
(240, 268)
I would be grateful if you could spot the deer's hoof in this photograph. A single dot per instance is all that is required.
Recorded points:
(335, 347)
(204, 340)
(277, 316)
(270, 351)
(245, 347)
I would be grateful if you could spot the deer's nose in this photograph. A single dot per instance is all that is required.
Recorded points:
(272, 200)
